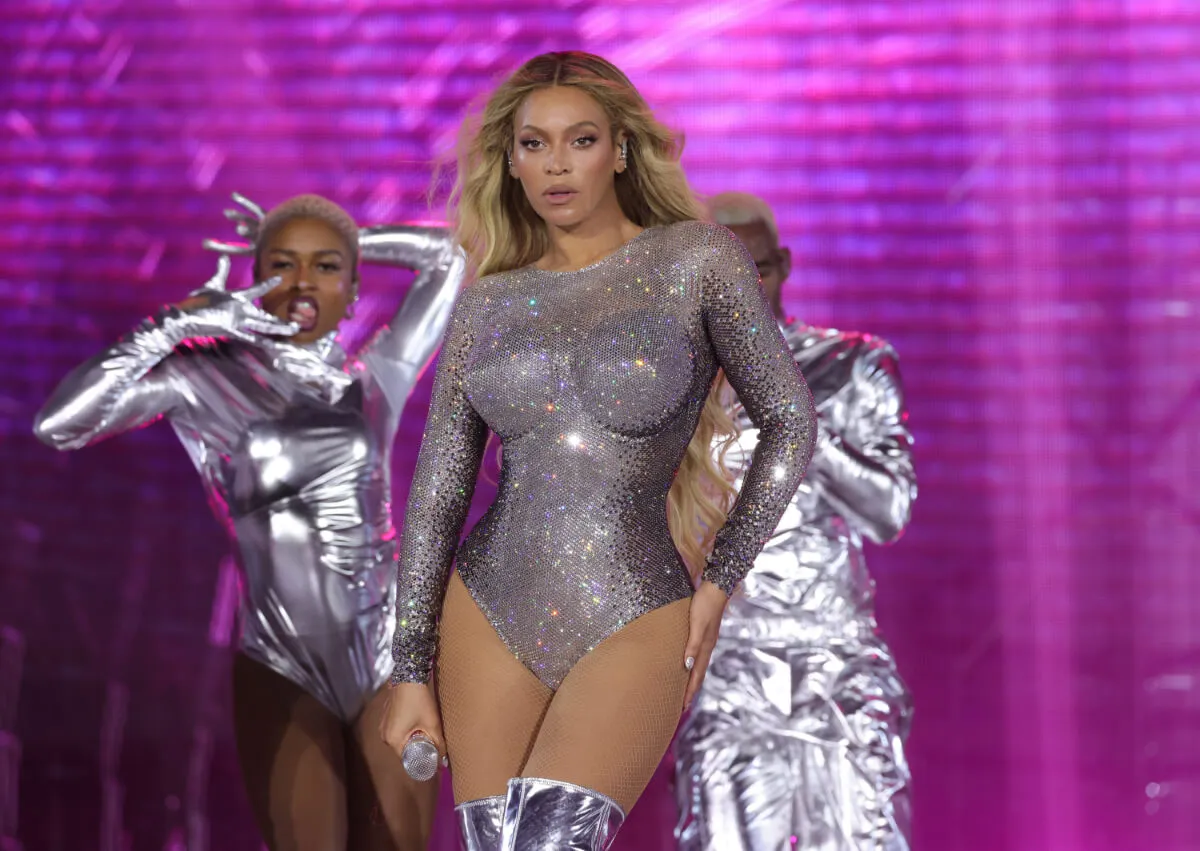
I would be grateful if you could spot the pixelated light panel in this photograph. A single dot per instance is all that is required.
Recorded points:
(1006, 190)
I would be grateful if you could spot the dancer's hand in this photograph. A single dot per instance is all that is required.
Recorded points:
(708, 605)
(213, 311)
(412, 708)
(247, 221)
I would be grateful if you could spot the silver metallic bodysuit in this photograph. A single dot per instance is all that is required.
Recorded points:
(293, 444)
(594, 381)
(796, 739)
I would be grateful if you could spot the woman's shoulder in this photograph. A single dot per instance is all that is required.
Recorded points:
(484, 288)
(695, 233)
(483, 293)
(707, 243)
(494, 283)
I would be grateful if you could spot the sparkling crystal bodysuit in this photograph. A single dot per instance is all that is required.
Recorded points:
(594, 381)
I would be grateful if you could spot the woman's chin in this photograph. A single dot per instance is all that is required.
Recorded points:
(309, 335)
(565, 217)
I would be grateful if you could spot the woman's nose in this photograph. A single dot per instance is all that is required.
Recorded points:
(305, 278)
(556, 163)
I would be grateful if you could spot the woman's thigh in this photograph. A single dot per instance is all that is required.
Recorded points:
(612, 719)
(492, 705)
(290, 748)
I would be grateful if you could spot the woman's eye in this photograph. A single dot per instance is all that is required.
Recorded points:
(329, 267)
(530, 144)
(280, 264)
(585, 140)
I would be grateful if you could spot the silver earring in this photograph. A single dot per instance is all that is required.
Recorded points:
(510, 165)
(624, 150)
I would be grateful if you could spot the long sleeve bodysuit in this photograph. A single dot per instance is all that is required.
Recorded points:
(594, 381)
(293, 445)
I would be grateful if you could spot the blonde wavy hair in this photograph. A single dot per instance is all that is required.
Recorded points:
(500, 231)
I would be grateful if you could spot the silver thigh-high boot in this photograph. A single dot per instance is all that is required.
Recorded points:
(548, 815)
(479, 823)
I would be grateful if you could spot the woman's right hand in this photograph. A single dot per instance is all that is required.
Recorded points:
(214, 311)
(412, 708)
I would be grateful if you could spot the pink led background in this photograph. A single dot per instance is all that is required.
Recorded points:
(1009, 191)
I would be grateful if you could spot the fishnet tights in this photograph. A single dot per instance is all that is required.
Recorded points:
(606, 728)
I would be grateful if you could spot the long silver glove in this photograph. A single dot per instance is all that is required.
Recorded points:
(415, 332)
(117, 391)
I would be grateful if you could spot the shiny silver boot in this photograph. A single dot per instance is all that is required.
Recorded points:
(479, 823)
(548, 815)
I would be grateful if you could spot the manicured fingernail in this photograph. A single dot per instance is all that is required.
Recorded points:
(445, 762)
(689, 662)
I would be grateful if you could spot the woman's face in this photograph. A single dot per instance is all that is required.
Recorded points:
(318, 280)
(565, 156)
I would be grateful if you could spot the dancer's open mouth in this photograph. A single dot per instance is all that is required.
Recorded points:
(304, 312)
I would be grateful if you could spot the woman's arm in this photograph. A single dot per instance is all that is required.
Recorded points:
(124, 387)
(759, 366)
(438, 501)
(867, 472)
(403, 349)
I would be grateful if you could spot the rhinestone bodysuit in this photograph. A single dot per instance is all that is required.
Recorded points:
(594, 381)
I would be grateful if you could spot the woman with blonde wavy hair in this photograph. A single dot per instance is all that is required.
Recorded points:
(573, 634)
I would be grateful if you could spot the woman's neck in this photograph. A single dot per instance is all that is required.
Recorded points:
(586, 243)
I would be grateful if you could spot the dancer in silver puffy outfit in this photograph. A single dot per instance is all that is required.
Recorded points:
(293, 444)
(797, 737)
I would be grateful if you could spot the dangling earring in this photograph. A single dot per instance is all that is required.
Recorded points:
(624, 156)
(510, 163)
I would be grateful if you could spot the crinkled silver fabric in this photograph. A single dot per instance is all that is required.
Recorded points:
(796, 739)
(293, 444)
(594, 381)
(481, 823)
(549, 815)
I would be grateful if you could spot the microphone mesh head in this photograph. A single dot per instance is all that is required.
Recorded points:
(420, 758)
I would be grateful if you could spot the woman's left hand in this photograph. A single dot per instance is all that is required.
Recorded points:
(247, 220)
(708, 605)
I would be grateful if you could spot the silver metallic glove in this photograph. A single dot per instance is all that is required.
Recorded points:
(213, 311)
(248, 221)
